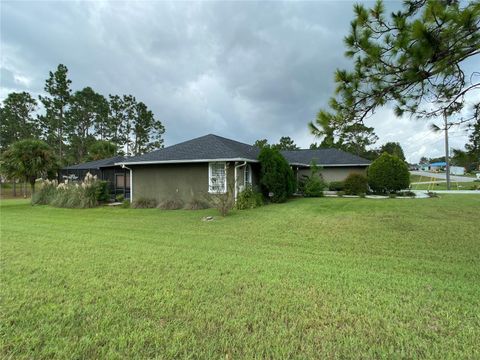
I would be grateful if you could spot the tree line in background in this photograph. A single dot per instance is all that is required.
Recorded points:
(79, 125)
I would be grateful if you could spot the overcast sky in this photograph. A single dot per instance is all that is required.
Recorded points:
(243, 70)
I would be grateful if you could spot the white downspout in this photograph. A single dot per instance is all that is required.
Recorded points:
(235, 176)
(131, 181)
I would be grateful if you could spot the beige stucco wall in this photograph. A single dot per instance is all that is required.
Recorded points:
(185, 182)
(335, 173)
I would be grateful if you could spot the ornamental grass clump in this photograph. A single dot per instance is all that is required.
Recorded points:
(46, 192)
(89, 193)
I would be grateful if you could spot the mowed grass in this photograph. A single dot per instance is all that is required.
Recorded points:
(312, 278)
(443, 186)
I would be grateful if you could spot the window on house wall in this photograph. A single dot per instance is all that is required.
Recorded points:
(122, 181)
(247, 180)
(119, 181)
(217, 178)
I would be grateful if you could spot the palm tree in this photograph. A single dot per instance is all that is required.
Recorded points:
(29, 160)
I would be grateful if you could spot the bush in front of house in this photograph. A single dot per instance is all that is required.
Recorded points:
(87, 194)
(356, 184)
(276, 176)
(196, 204)
(45, 192)
(336, 186)
(171, 204)
(314, 186)
(249, 199)
(388, 174)
(144, 203)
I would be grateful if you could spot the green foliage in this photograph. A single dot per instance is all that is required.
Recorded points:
(101, 149)
(80, 126)
(414, 59)
(120, 198)
(248, 199)
(171, 204)
(314, 186)
(54, 122)
(88, 110)
(393, 148)
(388, 174)
(356, 184)
(261, 143)
(46, 193)
(336, 186)
(28, 160)
(196, 204)
(144, 203)
(17, 121)
(102, 192)
(276, 176)
(87, 194)
(285, 143)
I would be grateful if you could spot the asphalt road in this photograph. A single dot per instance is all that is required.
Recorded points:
(440, 176)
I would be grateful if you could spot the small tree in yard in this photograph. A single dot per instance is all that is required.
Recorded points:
(29, 159)
(356, 184)
(388, 174)
(276, 176)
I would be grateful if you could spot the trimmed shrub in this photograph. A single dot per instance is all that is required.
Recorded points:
(314, 186)
(144, 203)
(249, 199)
(356, 184)
(388, 174)
(102, 193)
(336, 186)
(170, 205)
(276, 176)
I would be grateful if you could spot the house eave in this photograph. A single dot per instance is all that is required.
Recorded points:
(185, 161)
(329, 165)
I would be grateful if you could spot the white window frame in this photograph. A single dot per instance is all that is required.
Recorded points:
(210, 184)
(247, 181)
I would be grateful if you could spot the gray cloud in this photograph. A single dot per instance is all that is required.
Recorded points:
(244, 70)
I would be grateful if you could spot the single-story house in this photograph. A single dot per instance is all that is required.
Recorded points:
(118, 177)
(213, 164)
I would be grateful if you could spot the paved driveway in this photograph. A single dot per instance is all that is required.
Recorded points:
(441, 176)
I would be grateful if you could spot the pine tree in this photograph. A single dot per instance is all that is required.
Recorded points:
(54, 123)
(87, 119)
(16, 119)
(413, 60)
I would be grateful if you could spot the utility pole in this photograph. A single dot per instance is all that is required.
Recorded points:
(447, 161)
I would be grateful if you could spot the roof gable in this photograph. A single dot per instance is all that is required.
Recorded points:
(204, 148)
(323, 157)
(96, 164)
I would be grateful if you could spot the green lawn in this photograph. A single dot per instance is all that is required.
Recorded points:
(312, 278)
(472, 185)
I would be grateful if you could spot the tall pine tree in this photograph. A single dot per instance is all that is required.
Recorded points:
(17, 121)
(54, 123)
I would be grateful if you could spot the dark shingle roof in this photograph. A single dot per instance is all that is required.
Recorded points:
(97, 164)
(208, 147)
(332, 157)
(213, 147)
